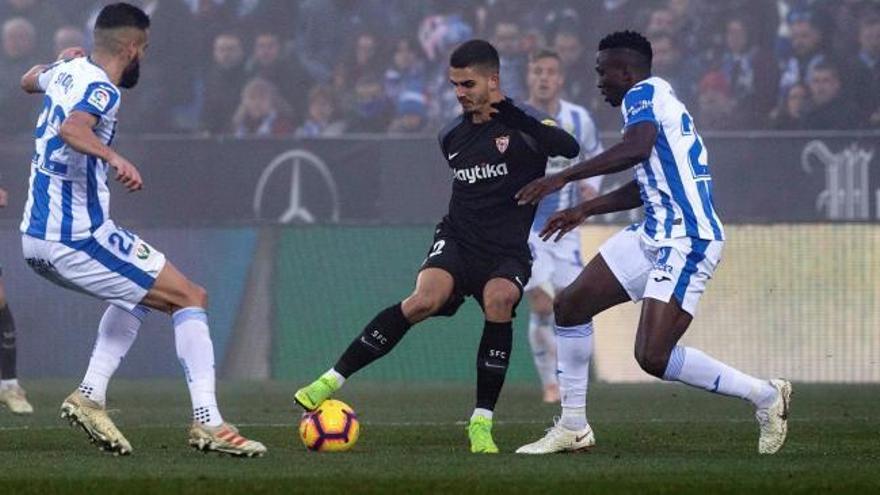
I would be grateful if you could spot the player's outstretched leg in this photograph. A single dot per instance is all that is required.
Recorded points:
(186, 301)
(11, 393)
(86, 406)
(541, 340)
(380, 335)
(662, 325)
(595, 290)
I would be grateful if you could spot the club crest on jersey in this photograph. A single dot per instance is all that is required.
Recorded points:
(143, 251)
(501, 142)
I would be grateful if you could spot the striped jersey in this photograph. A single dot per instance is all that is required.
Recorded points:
(577, 121)
(674, 183)
(69, 197)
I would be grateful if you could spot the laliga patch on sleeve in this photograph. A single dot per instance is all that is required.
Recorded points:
(100, 98)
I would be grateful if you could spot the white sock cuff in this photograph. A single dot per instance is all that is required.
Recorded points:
(191, 313)
(486, 413)
(140, 312)
(676, 362)
(582, 330)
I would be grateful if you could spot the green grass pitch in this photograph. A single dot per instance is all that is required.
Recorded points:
(655, 438)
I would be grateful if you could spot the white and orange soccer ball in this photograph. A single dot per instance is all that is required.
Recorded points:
(332, 427)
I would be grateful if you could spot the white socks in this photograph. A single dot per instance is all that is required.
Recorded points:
(543, 347)
(335, 375)
(697, 369)
(574, 348)
(11, 383)
(481, 412)
(116, 333)
(196, 353)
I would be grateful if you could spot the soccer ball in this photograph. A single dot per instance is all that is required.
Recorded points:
(332, 427)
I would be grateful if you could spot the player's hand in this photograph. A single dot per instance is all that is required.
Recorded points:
(535, 190)
(72, 53)
(126, 173)
(512, 116)
(563, 222)
(4, 198)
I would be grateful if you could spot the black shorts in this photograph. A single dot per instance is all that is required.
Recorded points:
(472, 270)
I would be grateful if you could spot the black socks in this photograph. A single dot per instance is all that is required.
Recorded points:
(377, 340)
(492, 360)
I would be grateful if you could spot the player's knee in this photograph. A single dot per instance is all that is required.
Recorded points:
(565, 309)
(500, 303)
(652, 361)
(421, 305)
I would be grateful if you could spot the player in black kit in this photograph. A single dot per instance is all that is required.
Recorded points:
(480, 247)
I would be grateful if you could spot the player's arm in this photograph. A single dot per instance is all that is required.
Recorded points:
(552, 140)
(636, 147)
(4, 198)
(36, 79)
(626, 197)
(30, 81)
(77, 132)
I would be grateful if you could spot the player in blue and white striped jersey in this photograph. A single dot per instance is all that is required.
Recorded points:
(69, 238)
(554, 266)
(665, 261)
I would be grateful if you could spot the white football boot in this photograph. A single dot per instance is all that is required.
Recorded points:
(93, 419)
(774, 419)
(561, 439)
(15, 399)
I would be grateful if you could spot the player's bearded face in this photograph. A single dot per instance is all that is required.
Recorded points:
(131, 74)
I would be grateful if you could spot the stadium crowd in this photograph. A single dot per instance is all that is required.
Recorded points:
(328, 67)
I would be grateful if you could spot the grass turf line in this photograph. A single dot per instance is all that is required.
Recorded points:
(655, 438)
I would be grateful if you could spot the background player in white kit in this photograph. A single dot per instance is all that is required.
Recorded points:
(665, 261)
(68, 237)
(554, 266)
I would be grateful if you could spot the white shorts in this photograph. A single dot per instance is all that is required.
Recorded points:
(555, 265)
(662, 269)
(114, 264)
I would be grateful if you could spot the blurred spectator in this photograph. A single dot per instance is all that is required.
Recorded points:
(794, 107)
(671, 64)
(507, 39)
(716, 106)
(268, 62)
(808, 50)
(321, 116)
(42, 15)
(578, 66)
(660, 21)
(67, 37)
(407, 70)
(224, 77)
(262, 111)
(830, 110)
(751, 71)
(372, 111)
(19, 47)
(866, 76)
(362, 59)
(411, 113)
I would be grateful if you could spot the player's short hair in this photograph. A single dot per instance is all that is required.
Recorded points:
(475, 53)
(632, 41)
(543, 53)
(122, 15)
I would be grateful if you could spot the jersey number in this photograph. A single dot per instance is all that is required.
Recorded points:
(699, 169)
(50, 115)
(437, 249)
(116, 240)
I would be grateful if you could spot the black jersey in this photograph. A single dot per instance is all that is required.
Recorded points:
(490, 163)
